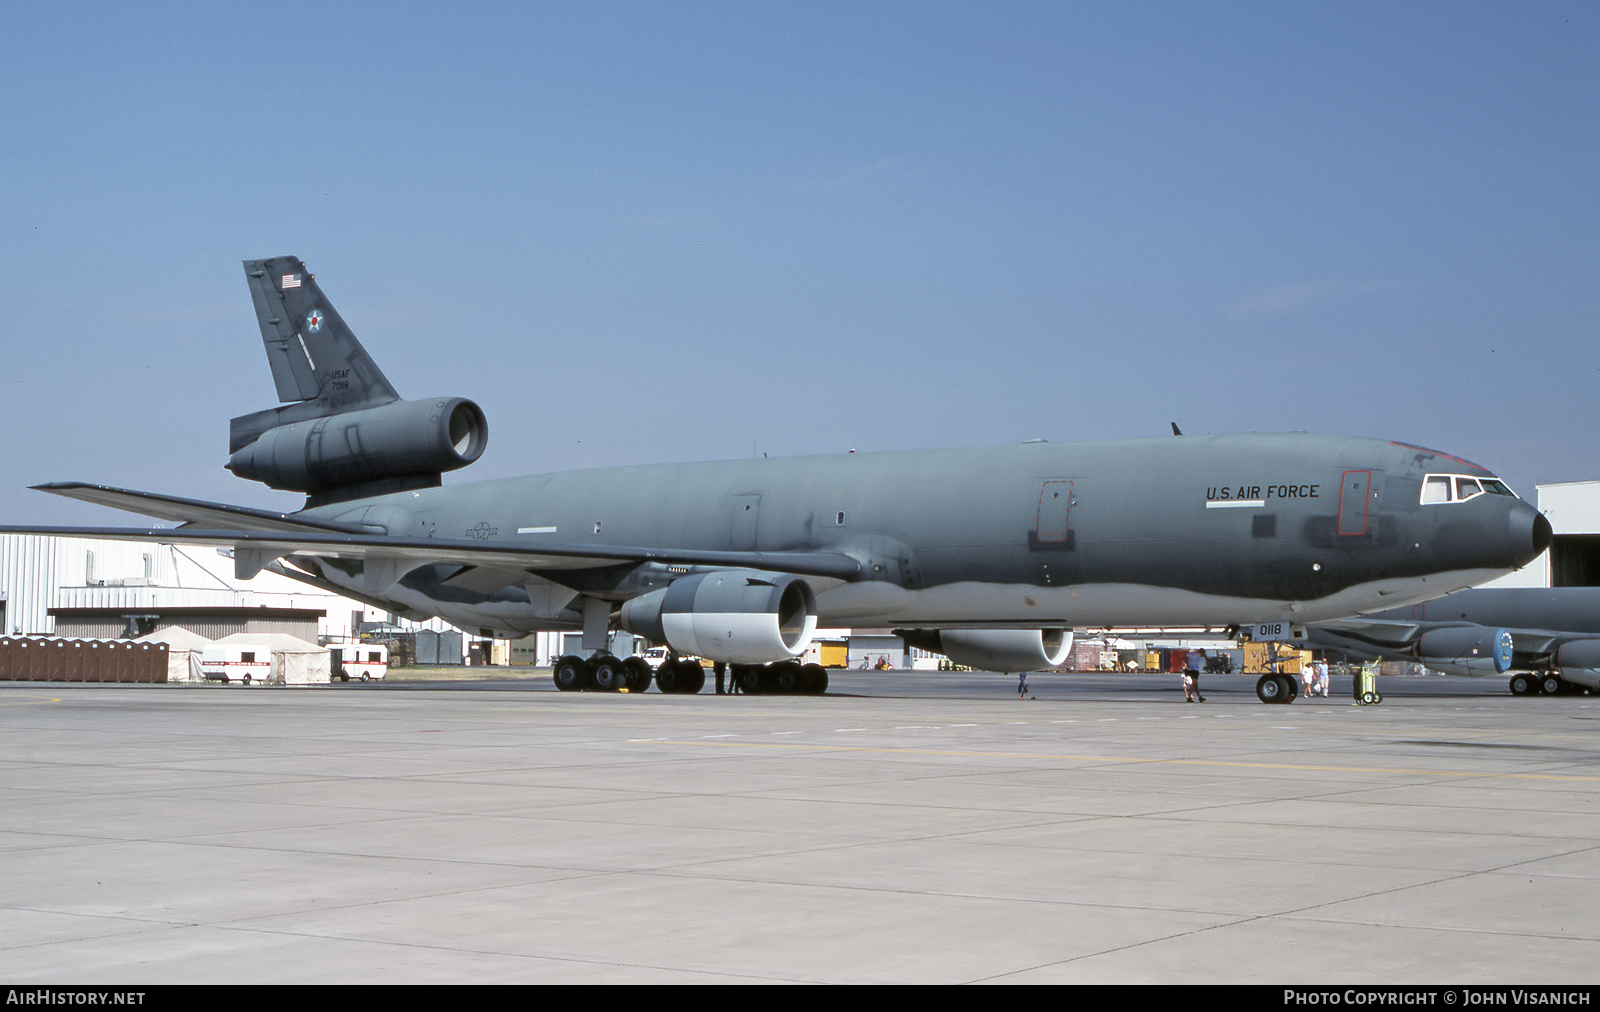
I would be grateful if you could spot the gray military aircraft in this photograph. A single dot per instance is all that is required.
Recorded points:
(1547, 638)
(990, 556)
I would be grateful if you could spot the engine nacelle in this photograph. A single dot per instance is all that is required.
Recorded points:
(400, 439)
(1476, 648)
(1006, 650)
(1579, 663)
(739, 616)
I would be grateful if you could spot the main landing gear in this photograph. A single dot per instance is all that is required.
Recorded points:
(606, 673)
(681, 675)
(787, 678)
(1548, 684)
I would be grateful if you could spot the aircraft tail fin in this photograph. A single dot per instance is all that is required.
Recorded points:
(319, 367)
(313, 354)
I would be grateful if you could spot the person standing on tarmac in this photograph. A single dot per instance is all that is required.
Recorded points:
(1196, 663)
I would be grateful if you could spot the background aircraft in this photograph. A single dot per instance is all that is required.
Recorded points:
(1549, 638)
(997, 552)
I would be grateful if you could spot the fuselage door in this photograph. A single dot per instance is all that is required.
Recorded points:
(746, 522)
(1357, 491)
(1055, 507)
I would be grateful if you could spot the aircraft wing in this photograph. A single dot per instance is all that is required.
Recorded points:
(1385, 632)
(1541, 642)
(194, 512)
(387, 559)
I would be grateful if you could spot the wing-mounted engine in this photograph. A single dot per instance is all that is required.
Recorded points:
(368, 451)
(345, 432)
(1579, 662)
(740, 616)
(1008, 650)
(1475, 648)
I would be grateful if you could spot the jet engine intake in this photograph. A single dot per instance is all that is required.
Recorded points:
(401, 439)
(1474, 647)
(1008, 650)
(739, 616)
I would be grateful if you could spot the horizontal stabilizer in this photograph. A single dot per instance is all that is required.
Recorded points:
(211, 515)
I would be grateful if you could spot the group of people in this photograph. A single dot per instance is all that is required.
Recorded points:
(1314, 679)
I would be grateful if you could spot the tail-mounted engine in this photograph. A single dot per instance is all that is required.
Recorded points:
(388, 448)
(344, 432)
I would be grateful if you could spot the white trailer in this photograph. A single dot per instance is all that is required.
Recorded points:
(361, 661)
(245, 663)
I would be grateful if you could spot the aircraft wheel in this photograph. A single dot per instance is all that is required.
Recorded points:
(571, 674)
(753, 679)
(609, 674)
(1270, 689)
(814, 679)
(680, 676)
(786, 677)
(667, 678)
(638, 672)
(1550, 685)
(1523, 685)
(1291, 683)
(694, 677)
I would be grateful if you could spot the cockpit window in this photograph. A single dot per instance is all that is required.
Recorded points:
(1440, 488)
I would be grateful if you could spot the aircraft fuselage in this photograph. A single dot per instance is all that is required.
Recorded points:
(1191, 530)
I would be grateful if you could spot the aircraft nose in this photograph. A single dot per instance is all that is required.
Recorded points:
(1530, 533)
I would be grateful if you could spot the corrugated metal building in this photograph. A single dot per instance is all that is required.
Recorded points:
(83, 588)
(28, 581)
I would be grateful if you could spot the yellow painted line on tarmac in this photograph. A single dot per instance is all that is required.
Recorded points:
(31, 702)
(1125, 760)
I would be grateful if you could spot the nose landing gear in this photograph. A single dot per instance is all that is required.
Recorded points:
(1277, 688)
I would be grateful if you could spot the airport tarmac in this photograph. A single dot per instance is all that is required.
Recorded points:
(907, 827)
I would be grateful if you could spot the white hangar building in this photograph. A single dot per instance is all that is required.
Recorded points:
(74, 587)
(1573, 558)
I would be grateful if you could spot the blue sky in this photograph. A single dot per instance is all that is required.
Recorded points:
(659, 231)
